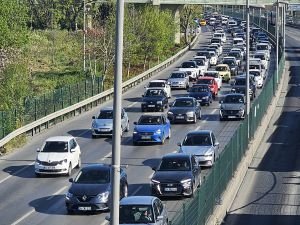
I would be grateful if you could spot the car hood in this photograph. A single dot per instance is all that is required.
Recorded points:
(147, 128)
(223, 72)
(181, 110)
(196, 150)
(88, 189)
(171, 176)
(229, 106)
(52, 156)
(152, 98)
(103, 122)
(176, 80)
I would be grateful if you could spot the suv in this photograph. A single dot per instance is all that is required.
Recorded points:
(58, 155)
(154, 100)
(102, 125)
(176, 175)
(232, 106)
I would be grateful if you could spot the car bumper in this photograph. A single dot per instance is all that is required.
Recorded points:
(178, 85)
(58, 169)
(145, 138)
(102, 132)
(205, 161)
(151, 107)
(231, 114)
(174, 190)
(78, 206)
(180, 118)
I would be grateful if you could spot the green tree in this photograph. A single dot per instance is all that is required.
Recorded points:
(13, 18)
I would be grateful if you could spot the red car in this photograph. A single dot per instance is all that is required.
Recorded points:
(211, 83)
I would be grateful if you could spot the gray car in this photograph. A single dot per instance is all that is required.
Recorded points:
(203, 144)
(102, 125)
(232, 106)
(184, 109)
(179, 79)
(142, 210)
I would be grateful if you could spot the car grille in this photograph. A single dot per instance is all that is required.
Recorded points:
(146, 133)
(54, 163)
(50, 171)
(103, 132)
(231, 112)
(85, 198)
(174, 188)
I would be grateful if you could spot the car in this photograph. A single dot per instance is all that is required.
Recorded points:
(224, 71)
(256, 63)
(102, 125)
(184, 109)
(203, 144)
(154, 100)
(203, 22)
(232, 106)
(213, 58)
(231, 62)
(263, 56)
(202, 93)
(91, 189)
(237, 56)
(238, 40)
(259, 80)
(204, 58)
(161, 84)
(192, 69)
(214, 48)
(264, 47)
(220, 35)
(179, 79)
(239, 50)
(220, 47)
(216, 75)
(239, 86)
(212, 84)
(58, 155)
(176, 175)
(201, 65)
(151, 128)
(216, 40)
(142, 210)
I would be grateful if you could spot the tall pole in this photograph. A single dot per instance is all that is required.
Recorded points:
(248, 55)
(277, 43)
(116, 141)
(267, 15)
(84, 34)
(284, 22)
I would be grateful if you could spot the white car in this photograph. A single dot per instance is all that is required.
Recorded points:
(259, 80)
(238, 41)
(160, 84)
(263, 47)
(220, 35)
(213, 58)
(58, 155)
(206, 61)
(202, 66)
(220, 47)
(238, 50)
(263, 56)
(191, 68)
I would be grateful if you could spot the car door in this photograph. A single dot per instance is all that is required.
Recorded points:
(215, 144)
(165, 126)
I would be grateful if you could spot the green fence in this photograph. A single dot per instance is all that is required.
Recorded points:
(39, 107)
(195, 211)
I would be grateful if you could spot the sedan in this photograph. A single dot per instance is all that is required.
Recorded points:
(179, 79)
(177, 175)
(151, 128)
(184, 109)
(202, 93)
(91, 189)
(142, 210)
(154, 100)
(203, 144)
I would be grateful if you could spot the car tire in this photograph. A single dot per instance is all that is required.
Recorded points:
(221, 119)
(127, 127)
(169, 134)
(79, 163)
(195, 119)
(134, 143)
(69, 173)
(200, 115)
(162, 140)
(125, 191)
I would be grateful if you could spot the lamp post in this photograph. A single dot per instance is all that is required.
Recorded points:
(84, 35)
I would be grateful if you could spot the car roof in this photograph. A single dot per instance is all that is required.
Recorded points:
(205, 78)
(60, 138)
(96, 166)
(177, 155)
(200, 132)
(108, 108)
(137, 200)
(221, 65)
(162, 81)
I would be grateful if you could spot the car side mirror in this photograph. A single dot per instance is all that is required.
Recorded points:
(179, 144)
(93, 117)
(38, 149)
(107, 218)
(71, 180)
(135, 123)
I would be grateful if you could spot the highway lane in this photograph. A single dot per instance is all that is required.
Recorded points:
(31, 200)
(270, 191)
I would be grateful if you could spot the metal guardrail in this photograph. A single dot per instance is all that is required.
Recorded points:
(94, 100)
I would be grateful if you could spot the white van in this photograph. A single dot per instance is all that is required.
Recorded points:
(263, 47)
(256, 63)
(220, 35)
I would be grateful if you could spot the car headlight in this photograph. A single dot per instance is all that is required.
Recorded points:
(190, 114)
(186, 183)
(135, 132)
(170, 113)
(208, 154)
(158, 131)
(103, 196)
(155, 181)
(63, 161)
(69, 195)
(159, 102)
(38, 161)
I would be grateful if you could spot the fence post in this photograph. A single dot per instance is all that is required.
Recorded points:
(45, 110)
(62, 98)
(2, 124)
(85, 88)
(77, 92)
(70, 98)
(35, 112)
(53, 102)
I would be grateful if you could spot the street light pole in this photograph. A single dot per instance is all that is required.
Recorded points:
(277, 43)
(116, 141)
(84, 34)
(247, 55)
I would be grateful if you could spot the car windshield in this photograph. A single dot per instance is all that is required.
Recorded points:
(188, 65)
(171, 164)
(200, 62)
(234, 54)
(262, 47)
(199, 89)
(136, 214)
(262, 57)
(240, 82)
(93, 177)
(154, 92)
(254, 67)
(156, 84)
(106, 114)
(150, 120)
(221, 68)
(56, 146)
(215, 75)
(197, 140)
(183, 103)
(204, 81)
(177, 75)
(229, 62)
(241, 90)
(235, 99)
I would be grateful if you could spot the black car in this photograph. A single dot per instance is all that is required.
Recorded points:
(202, 93)
(234, 68)
(177, 175)
(239, 86)
(184, 109)
(91, 189)
(154, 100)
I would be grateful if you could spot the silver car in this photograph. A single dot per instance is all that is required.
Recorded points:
(142, 210)
(203, 144)
(102, 125)
(232, 106)
(179, 79)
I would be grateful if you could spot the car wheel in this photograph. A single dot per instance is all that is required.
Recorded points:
(221, 119)
(200, 115)
(169, 134)
(208, 103)
(162, 140)
(195, 118)
(79, 163)
(69, 173)
(127, 127)
(125, 191)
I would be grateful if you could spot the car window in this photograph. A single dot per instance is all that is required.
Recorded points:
(203, 81)
(234, 99)
(215, 75)
(144, 120)
(171, 164)
(197, 140)
(130, 214)
(200, 89)
(154, 92)
(156, 84)
(221, 68)
(106, 114)
(56, 146)
(93, 177)
(183, 103)
(177, 75)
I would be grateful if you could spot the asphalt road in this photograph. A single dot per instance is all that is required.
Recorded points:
(28, 200)
(270, 193)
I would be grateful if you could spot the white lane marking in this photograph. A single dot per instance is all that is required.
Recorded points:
(23, 217)
(106, 156)
(15, 173)
(151, 175)
(104, 222)
(137, 190)
(56, 193)
(132, 104)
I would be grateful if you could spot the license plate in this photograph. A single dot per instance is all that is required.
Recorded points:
(49, 167)
(170, 189)
(151, 106)
(180, 117)
(231, 117)
(146, 137)
(104, 129)
(86, 208)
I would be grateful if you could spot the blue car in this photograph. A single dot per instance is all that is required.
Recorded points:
(202, 93)
(151, 128)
